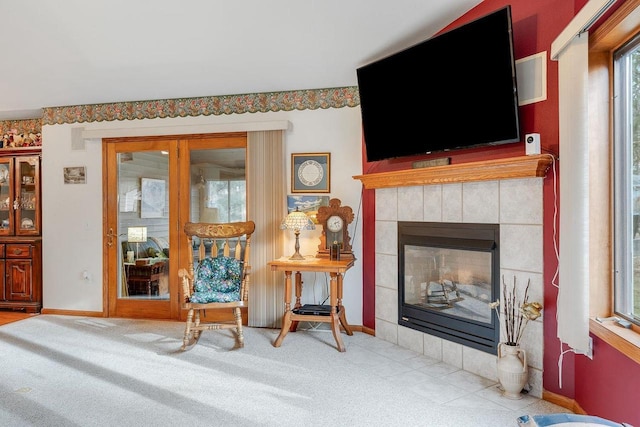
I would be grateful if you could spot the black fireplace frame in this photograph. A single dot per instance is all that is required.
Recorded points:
(476, 237)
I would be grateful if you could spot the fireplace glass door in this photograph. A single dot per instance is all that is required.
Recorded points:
(447, 277)
(454, 281)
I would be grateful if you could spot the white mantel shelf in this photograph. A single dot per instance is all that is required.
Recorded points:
(486, 170)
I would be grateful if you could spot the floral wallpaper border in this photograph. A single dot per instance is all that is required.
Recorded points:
(208, 105)
(25, 127)
(310, 99)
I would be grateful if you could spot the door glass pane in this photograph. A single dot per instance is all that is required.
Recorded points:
(218, 186)
(143, 224)
(227, 198)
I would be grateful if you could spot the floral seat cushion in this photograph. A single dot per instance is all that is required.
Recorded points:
(217, 280)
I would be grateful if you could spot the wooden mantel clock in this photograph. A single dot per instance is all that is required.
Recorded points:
(335, 220)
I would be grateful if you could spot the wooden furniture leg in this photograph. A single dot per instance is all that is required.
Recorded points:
(337, 317)
(294, 324)
(298, 289)
(186, 341)
(286, 318)
(342, 311)
(237, 314)
(335, 320)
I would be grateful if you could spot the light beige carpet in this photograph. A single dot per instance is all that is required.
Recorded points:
(77, 371)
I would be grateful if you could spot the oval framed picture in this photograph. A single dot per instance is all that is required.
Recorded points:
(310, 172)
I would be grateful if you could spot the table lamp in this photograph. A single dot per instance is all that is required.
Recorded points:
(137, 235)
(297, 221)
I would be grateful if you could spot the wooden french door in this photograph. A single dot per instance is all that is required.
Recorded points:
(141, 203)
(154, 186)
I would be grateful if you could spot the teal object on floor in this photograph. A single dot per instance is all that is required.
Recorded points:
(566, 420)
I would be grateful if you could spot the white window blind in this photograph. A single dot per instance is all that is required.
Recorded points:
(573, 293)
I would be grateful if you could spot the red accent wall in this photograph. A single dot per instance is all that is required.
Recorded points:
(608, 385)
(602, 386)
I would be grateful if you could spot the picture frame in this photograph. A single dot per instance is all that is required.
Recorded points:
(310, 172)
(307, 204)
(75, 174)
(153, 198)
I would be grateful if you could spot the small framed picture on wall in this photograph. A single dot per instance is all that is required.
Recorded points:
(307, 204)
(75, 175)
(310, 172)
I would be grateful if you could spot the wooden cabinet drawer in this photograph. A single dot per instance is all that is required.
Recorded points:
(18, 250)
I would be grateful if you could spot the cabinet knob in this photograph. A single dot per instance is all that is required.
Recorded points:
(17, 251)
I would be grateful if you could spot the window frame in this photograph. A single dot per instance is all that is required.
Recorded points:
(623, 203)
(615, 31)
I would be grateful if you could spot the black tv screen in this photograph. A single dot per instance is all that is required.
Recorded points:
(454, 90)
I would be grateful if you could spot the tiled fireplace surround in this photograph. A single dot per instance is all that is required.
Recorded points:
(515, 204)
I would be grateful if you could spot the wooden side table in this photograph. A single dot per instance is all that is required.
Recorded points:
(336, 317)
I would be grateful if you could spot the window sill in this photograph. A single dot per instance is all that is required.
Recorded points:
(626, 341)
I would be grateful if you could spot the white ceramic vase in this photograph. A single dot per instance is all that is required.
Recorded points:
(513, 371)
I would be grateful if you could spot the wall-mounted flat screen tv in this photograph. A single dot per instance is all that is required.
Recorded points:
(455, 90)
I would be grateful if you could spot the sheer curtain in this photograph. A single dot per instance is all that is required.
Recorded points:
(266, 191)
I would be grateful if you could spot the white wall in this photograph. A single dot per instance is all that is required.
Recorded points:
(72, 214)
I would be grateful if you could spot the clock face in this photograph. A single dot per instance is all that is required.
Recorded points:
(334, 223)
(310, 173)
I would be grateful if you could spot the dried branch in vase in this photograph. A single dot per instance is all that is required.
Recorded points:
(517, 313)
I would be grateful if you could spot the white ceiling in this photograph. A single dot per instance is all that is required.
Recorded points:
(72, 52)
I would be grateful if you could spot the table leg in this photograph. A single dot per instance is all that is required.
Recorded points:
(298, 288)
(343, 313)
(294, 324)
(286, 324)
(335, 320)
(287, 291)
(286, 318)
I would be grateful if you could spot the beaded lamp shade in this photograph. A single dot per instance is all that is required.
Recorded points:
(297, 221)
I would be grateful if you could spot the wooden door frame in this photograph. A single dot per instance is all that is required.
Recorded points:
(179, 209)
(112, 305)
(204, 142)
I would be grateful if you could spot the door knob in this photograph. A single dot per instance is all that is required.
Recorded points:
(110, 236)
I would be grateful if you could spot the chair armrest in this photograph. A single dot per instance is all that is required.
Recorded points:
(187, 280)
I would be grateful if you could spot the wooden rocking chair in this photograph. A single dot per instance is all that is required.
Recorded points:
(220, 280)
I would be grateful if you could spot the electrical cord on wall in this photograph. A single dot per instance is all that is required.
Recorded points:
(554, 279)
(355, 225)
(355, 228)
(315, 326)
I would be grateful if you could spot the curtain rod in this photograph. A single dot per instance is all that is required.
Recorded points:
(588, 15)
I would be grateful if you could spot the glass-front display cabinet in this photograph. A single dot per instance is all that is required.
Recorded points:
(20, 196)
(20, 230)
